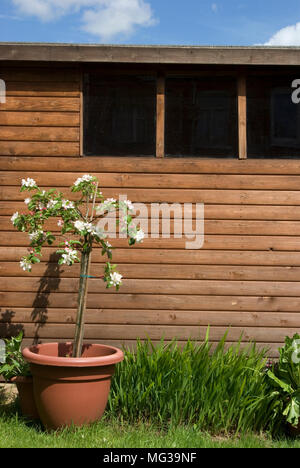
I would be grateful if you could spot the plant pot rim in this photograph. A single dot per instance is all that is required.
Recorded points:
(34, 355)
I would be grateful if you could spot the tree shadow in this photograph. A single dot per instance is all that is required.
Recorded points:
(7, 327)
(49, 282)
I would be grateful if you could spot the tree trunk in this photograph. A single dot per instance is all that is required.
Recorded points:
(82, 295)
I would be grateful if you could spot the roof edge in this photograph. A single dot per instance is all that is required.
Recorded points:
(164, 54)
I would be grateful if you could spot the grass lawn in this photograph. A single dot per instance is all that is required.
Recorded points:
(16, 432)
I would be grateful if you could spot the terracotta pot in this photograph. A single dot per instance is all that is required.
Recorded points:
(71, 390)
(26, 397)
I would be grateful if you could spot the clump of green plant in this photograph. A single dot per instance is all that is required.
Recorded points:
(14, 364)
(284, 379)
(219, 390)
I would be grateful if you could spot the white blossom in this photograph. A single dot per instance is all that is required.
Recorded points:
(60, 222)
(25, 264)
(88, 227)
(138, 236)
(69, 256)
(35, 235)
(14, 217)
(67, 204)
(27, 201)
(129, 205)
(28, 182)
(106, 205)
(79, 225)
(116, 279)
(85, 178)
(51, 204)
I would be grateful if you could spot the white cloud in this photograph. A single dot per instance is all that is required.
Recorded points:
(10, 17)
(106, 19)
(115, 17)
(289, 36)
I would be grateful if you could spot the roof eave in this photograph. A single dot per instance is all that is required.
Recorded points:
(95, 53)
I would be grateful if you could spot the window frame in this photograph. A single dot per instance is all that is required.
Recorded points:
(160, 73)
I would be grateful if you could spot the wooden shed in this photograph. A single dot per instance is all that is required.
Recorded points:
(212, 125)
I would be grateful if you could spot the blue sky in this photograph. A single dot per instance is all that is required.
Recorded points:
(194, 22)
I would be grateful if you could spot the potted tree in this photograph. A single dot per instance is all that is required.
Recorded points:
(16, 370)
(72, 380)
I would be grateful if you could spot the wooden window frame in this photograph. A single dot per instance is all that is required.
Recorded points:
(161, 112)
(160, 115)
(242, 115)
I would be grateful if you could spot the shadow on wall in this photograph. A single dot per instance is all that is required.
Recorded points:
(7, 327)
(49, 282)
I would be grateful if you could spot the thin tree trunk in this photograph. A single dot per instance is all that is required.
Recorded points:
(82, 295)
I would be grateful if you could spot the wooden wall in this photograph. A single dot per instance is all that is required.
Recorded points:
(247, 275)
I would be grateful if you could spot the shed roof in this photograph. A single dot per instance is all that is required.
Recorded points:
(158, 54)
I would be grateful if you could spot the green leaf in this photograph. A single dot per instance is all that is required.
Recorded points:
(292, 412)
(285, 387)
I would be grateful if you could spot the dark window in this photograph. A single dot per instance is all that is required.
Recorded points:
(201, 117)
(119, 115)
(273, 120)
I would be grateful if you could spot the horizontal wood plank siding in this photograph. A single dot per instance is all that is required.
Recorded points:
(41, 114)
(246, 276)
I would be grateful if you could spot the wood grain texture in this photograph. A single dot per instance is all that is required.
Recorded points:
(211, 242)
(160, 117)
(39, 148)
(155, 332)
(177, 257)
(62, 53)
(160, 287)
(160, 271)
(246, 276)
(213, 227)
(9, 133)
(242, 116)
(149, 316)
(153, 301)
(142, 165)
(245, 212)
(236, 197)
(150, 181)
(40, 104)
(40, 119)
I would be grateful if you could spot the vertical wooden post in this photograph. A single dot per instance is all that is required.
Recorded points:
(160, 117)
(242, 116)
(81, 114)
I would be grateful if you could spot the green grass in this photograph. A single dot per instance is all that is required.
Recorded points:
(171, 397)
(15, 432)
(220, 391)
